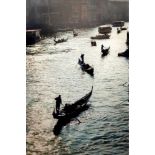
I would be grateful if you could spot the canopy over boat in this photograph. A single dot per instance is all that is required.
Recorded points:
(104, 29)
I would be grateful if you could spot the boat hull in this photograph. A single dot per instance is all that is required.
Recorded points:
(60, 41)
(103, 36)
(105, 51)
(89, 70)
(62, 121)
(124, 54)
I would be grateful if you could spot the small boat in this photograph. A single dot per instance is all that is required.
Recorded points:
(75, 34)
(33, 36)
(93, 43)
(70, 111)
(124, 54)
(123, 28)
(86, 67)
(101, 36)
(118, 23)
(60, 40)
(104, 29)
(118, 30)
(105, 51)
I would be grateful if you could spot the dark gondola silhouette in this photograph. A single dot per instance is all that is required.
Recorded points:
(85, 67)
(101, 36)
(93, 43)
(70, 112)
(124, 54)
(75, 33)
(118, 30)
(105, 51)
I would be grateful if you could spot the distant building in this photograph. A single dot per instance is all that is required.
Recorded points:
(120, 9)
(52, 14)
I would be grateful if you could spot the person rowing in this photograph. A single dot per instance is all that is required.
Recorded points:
(58, 103)
(102, 47)
(82, 58)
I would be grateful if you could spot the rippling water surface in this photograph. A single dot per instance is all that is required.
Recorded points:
(53, 70)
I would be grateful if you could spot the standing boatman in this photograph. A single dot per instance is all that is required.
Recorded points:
(102, 47)
(82, 58)
(58, 102)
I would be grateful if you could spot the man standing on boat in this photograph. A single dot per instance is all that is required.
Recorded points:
(102, 47)
(58, 102)
(82, 58)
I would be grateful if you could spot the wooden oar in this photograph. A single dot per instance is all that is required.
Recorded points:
(78, 120)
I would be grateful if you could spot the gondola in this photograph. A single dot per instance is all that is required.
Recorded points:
(93, 43)
(124, 54)
(105, 51)
(101, 36)
(86, 67)
(75, 34)
(118, 30)
(123, 28)
(60, 40)
(70, 112)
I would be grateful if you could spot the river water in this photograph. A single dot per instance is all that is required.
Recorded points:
(53, 70)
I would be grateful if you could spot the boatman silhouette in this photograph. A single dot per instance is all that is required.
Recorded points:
(102, 47)
(58, 102)
(82, 58)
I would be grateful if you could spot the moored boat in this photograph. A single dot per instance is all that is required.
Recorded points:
(33, 36)
(101, 36)
(118, 24)
(123, 28)
(60, 40)
(104, 29)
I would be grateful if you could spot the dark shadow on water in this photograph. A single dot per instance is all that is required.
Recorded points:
(64, 121)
